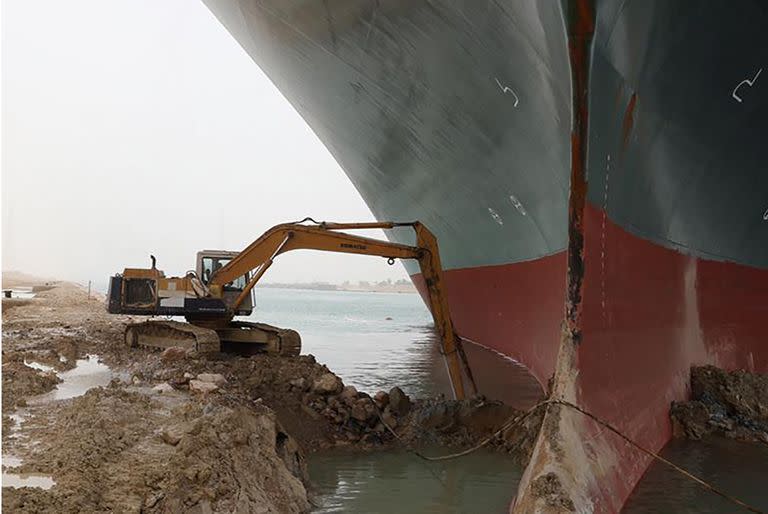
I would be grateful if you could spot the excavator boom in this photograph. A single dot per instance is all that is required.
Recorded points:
(211, 301)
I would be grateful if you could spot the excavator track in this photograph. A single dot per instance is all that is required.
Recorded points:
(239, 337)
(249, 337)
(163, 334)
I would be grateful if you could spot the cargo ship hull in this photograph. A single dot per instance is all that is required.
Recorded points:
(475, 119)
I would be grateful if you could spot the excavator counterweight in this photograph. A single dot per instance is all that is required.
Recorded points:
(221, 287)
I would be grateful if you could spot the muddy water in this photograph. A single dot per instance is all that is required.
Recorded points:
(377, 340)
(86, 374)
(397, 482)
(351, 333)
(741, 469)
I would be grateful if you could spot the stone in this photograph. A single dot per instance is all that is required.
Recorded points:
(327, 383)
(310, 412)
(202, 387)
(382, 399)
(173, 354)
(189, 375)
(299, 383)
(399, 401)
(213, 378)
(363, 410)
(348, 393)
(179, 382)
(359, 412)
(389, 419)
(163, 388)
(171, 437)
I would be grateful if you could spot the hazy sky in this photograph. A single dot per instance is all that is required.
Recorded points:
(138, 126)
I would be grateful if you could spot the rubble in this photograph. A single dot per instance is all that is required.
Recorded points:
(328, 383)
(202, 387)
(212, 378)
(112, 450)
(176, 430)
(730, 404)
(163, 388)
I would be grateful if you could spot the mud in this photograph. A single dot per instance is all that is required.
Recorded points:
(124, 451)
(551, 491)
(183, 432)
(730, 404)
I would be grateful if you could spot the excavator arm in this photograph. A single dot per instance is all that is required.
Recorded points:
(260, 254)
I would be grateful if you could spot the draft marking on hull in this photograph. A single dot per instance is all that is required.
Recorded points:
(507, 89)
(602, 237)
(748, 82)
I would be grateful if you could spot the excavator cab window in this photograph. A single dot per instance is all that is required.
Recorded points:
(213, 264)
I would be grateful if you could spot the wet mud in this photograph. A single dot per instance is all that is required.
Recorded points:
(728, 404)
(177, 431)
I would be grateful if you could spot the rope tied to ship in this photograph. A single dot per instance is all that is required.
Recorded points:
(518, 419)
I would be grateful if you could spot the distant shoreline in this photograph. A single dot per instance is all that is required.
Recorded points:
(399, 288)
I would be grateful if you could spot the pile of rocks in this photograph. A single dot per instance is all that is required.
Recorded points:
(358, 416)
(200, 383)
(734, 405)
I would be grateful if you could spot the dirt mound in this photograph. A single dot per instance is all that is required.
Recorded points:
(178, 431)
(115, 450)
(20, 381)
(733, 405)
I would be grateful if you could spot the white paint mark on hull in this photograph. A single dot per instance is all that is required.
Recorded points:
(507, 90)
(747, 82)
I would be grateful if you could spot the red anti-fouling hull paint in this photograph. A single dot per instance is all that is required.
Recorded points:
(649, 314)
(515, 309)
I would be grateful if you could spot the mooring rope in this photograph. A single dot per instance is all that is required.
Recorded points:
(515, 420)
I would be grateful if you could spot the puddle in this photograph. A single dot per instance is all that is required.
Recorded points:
(86, 374)
(9, 461)
(23, 479)
(28, 480)
(19, 292)
(18, 417)
(38, 366)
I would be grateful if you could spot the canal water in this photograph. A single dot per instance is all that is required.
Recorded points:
(376, 340)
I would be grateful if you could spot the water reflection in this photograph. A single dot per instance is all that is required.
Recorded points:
(741, 469)
(377, 340)
(86, 374)
(398, 482)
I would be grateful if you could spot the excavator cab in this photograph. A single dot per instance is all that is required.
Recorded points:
(145, 291)
(211, 261)
(210, 326)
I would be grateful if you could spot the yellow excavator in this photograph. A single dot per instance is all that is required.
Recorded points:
(221, 287)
